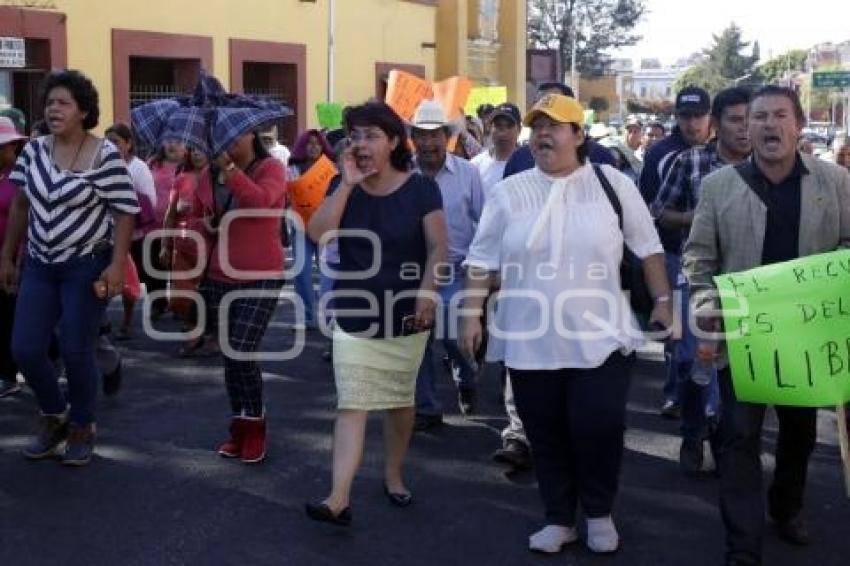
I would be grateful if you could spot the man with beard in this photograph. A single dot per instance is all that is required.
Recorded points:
(776, 206)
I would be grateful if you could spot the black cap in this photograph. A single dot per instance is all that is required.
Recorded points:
(564, 89)
(507, 110)
(693, 100)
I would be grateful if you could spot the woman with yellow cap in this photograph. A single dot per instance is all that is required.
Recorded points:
(563, 326)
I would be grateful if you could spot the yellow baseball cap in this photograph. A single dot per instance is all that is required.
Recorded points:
(560, 108)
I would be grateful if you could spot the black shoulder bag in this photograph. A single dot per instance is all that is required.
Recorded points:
(631, 268)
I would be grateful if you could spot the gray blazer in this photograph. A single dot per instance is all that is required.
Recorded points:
(727, 234)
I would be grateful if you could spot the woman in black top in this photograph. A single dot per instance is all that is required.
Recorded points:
(389, 266)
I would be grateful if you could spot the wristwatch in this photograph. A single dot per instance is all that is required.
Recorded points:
(662, 299)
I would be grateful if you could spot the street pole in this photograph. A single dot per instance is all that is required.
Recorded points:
(833, 97)
(331, 46)
(809, 99)
(573, 82)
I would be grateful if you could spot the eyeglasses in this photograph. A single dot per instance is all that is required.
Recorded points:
(370, 136)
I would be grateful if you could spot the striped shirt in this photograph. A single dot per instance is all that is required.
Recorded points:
(70, 211)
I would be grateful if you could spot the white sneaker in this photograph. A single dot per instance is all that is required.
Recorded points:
(602, 535)
(552, 538)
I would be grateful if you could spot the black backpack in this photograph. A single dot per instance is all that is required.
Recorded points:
(631, 268)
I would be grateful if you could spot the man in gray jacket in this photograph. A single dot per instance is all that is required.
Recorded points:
(777, 206)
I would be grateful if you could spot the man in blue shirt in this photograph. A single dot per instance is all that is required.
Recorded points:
(693, 127)
(674, 210)
(463, 200)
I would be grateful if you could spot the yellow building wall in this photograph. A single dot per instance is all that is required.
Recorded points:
(379, 31)
(452, 33)
(367, 31)
(458, 25)
(599, 87)
(513, 36)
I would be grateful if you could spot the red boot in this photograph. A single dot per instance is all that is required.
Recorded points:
(254, 439)
(232, 447)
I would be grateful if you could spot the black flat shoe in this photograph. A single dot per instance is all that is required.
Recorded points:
(321, 512)
(794, 531)
(398, 499)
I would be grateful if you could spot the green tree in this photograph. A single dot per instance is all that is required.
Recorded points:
(599, 104)
(727, 55)
(773, 70)
(704, 75)
(598, 25)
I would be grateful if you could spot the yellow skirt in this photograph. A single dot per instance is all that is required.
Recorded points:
(373, 374)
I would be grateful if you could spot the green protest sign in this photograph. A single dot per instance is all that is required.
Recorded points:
(788, 331)
(485, 95)
(330, 115)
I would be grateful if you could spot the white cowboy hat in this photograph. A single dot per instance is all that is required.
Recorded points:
(431, 116)
(598, 130)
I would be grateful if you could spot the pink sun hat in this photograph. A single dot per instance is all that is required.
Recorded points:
(8, 133)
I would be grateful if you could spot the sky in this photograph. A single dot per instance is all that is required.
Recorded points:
(672, 29)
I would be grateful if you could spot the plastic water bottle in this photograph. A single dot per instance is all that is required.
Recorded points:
(702, 370)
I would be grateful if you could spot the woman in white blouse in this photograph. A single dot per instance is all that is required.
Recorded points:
(563, 326)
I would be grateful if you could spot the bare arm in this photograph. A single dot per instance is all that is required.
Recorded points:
(655, 275)
(436, 241)
(478, 284)
(18, 218)
(111, 280)
(124, 224)
(327, 217)
(329, 214)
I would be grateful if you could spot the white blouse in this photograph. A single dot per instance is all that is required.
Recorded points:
(557, 245)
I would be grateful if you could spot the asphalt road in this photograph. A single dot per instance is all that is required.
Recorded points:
(157, 494)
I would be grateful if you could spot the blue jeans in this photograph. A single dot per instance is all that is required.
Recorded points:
(61, 293)
(673, 264)
(427, 399)
(303, 246)
(695, 400)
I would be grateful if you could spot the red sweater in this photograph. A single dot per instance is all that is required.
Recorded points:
(253, 243)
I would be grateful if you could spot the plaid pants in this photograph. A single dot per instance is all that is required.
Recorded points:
(247, 319)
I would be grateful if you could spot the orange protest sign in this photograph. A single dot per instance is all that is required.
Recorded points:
(405, 91)
(452, 94)
(307, 191)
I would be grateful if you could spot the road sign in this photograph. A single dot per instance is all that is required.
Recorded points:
(831, 79)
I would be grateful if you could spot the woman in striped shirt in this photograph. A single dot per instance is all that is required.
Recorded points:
(76, 205)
